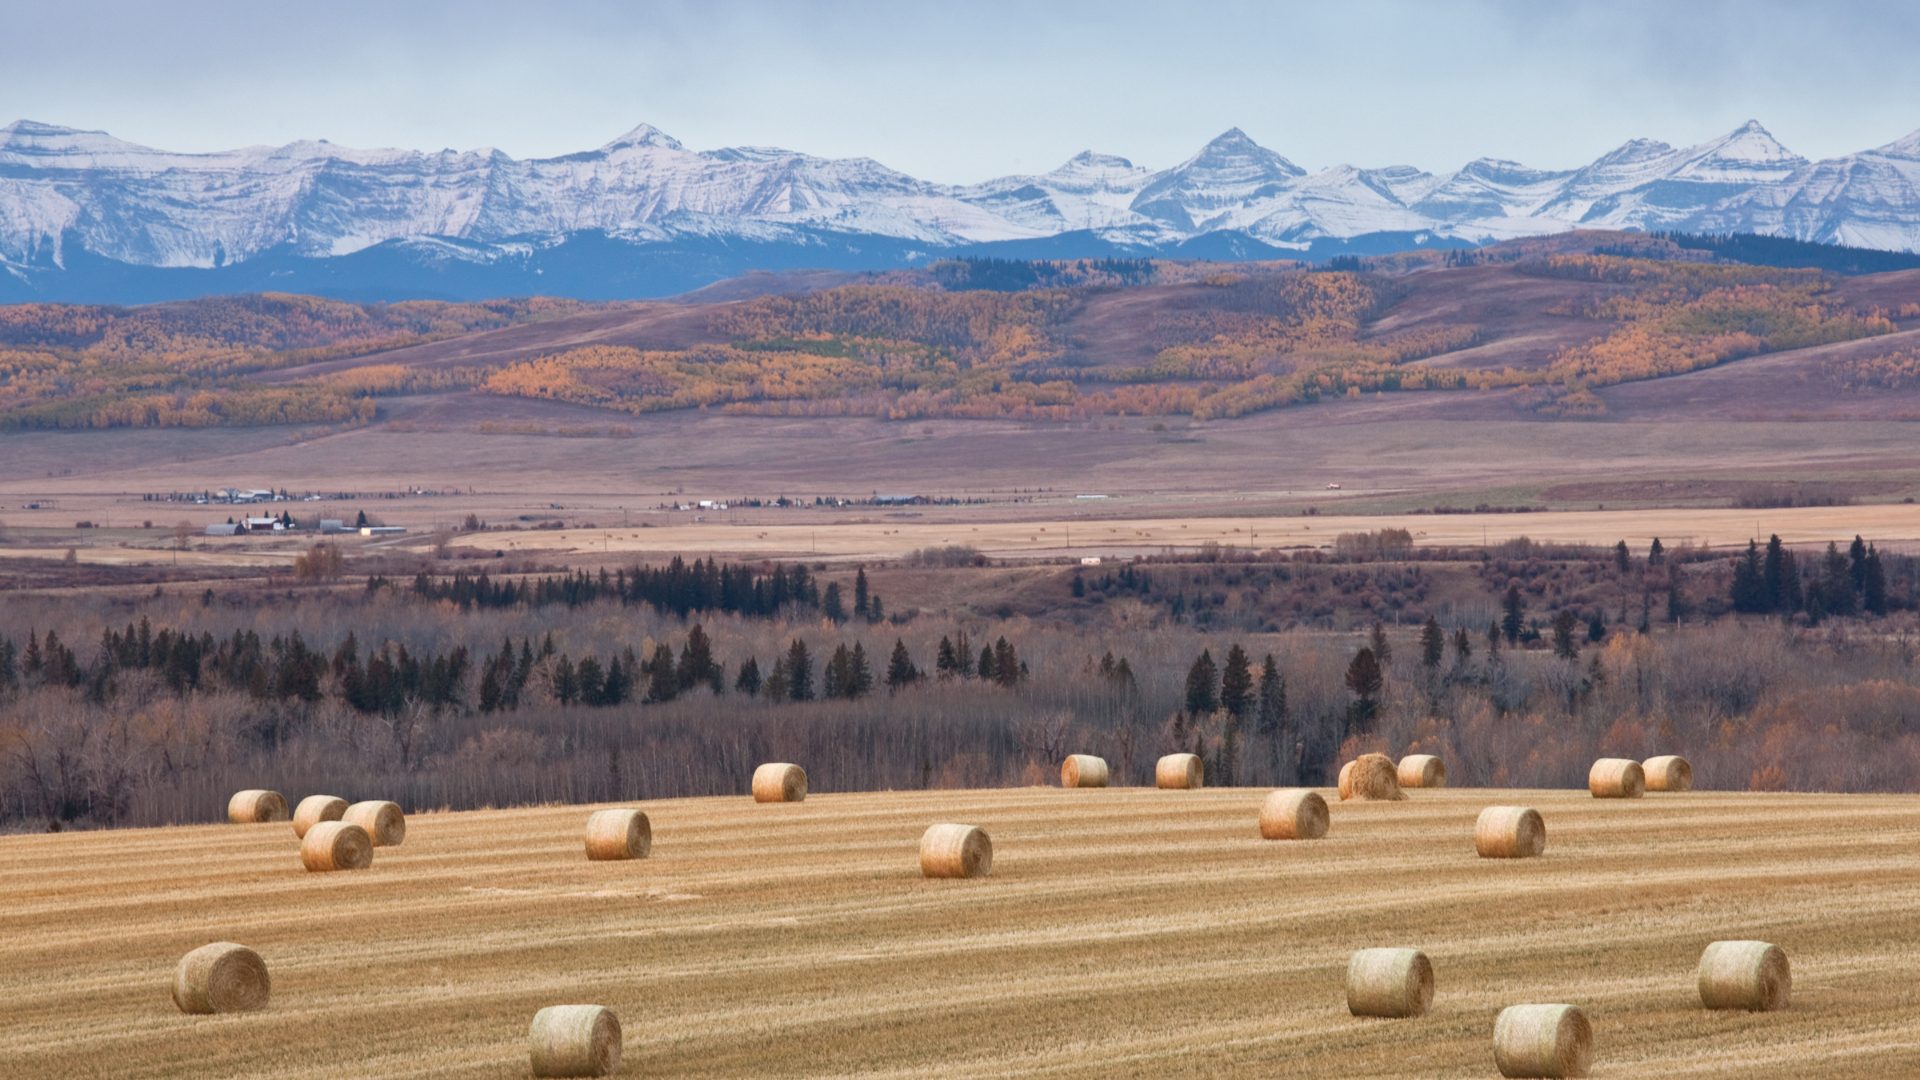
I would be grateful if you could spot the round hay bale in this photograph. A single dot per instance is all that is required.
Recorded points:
(1389, 982)
(383, 821)
(1751, 975)
(779, 782)
(221, 977)
(336, 845)
(1293, 814)
(1083, 770)
(1617, 778)
(956, 851)
(1509, 832)
(575, 1040)
(1422, 770)
(618, 834)
(254, 806)
(1668, 772)
(1371, 778)
(315, 809)
(1543, 1041)
(1178, 772)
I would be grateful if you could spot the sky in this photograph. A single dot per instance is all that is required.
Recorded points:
(959, 92)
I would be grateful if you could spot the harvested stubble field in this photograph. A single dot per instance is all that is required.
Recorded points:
(1127, 931)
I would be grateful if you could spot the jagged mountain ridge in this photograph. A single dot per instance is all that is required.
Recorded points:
(70, 197)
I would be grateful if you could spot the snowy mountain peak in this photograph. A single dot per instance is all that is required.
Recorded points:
(1234, 152)
(1752, 144)
(1908, 147)
(1089, 160)
(646, 135)
(1632, 152)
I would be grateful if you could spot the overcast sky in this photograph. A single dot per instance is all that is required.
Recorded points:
(959, 92)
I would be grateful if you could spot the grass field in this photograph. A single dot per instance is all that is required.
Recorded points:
(1123, 932)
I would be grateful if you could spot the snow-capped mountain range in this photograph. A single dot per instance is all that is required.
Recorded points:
(74, 199)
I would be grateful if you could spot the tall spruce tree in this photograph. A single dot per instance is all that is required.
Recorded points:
(1564, 646)
(1873, 588)
(799, 671)
(1236, 683)
(748, 681)
(1433, 643)
(1363, 679)
(1513, 610)
(1203, 685)
(900, 670)
(1377, 640)
(1272, 712)
(1749, 591)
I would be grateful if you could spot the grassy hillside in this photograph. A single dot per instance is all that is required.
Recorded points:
(1552, 320)
(1130, 932)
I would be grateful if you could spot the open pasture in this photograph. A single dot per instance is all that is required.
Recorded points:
(1130, 932)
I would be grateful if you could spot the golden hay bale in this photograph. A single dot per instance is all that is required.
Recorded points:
(1543, 1041)
(315, 809)
(221, 977)
(1617, 778)
(1509, 832)
(961, 851)
(1083, 770)
(1422, 770)
(383, 821)
(1178, 772)
(336, 845)
(1389, 982)
(575, 1040)
(1751, 975)
(253, 806)
(1668, 772)
(1293, 814)
(618, 834)
(1371, 778)
(779, 782)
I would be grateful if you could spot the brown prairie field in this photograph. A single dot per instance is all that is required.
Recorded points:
(1126, 931)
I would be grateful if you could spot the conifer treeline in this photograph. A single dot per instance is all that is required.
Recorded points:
(679, 588)
(392, 679)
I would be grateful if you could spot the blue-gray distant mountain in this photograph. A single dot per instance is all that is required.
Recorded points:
(86, 216)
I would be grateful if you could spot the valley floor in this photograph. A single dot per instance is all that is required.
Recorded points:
(1125, 931)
